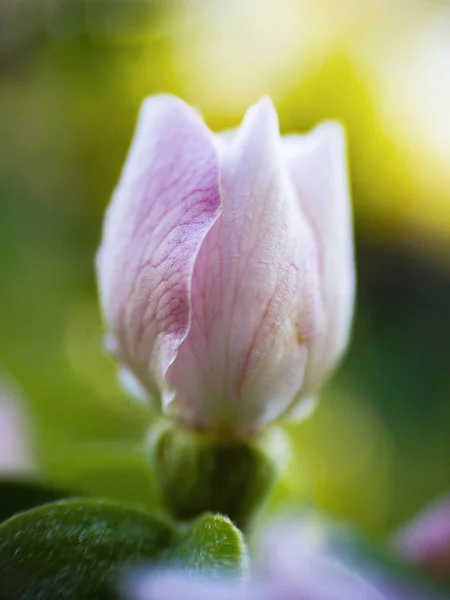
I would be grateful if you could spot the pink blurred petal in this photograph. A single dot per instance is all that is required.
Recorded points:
(317, 165)
(179, 586)
(256, 297)
(425, 542)
(287, 571)
(286, 557)
(15, 452)
(166, 201)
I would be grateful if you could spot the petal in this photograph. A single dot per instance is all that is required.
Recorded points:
(317, 164)
(162, 585)
(255, 292)
(425, 542)
(306, 572)
(15, 434)
(166, 201)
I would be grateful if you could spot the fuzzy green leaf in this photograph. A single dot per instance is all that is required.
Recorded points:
(75, 549)
(212, 544)
(80, 549)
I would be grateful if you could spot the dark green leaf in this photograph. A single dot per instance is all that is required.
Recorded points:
(79, 549)
(76, 549)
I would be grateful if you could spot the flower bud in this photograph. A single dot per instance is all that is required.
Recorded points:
(226, 270)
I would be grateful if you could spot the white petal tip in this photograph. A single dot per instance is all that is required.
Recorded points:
(326, 139)
(262, 115)
(329, 133)
(164, 106)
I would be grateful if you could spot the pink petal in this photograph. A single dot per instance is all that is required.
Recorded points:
(15, 436)
(166, 585)
(166, 202)
(308, 573)
(425, 542)
(317, 164)
(255, 291)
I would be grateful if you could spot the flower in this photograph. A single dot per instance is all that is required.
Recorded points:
(287, 571)
(226, 271)
(425, 541)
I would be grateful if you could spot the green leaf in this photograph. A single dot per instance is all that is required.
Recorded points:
(18, 495)
(212, 544)
(75, 549)
(79, 549)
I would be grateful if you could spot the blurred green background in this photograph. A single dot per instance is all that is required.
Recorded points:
(72, 77)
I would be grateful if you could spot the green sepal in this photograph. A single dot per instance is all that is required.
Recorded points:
(81, 549)
(199, 473)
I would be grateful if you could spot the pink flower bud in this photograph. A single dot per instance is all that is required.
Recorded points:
(226, 268)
